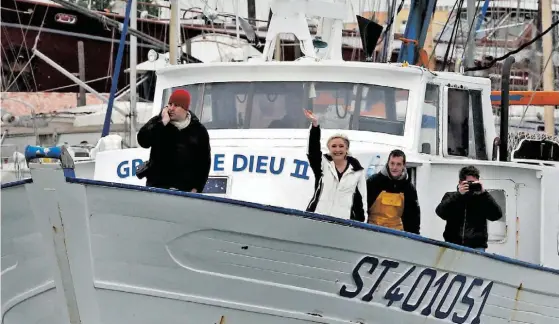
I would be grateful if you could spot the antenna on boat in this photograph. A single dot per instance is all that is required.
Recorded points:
(290, 17)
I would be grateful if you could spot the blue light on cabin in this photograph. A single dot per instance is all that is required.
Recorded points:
(34, 152)
(428, 121)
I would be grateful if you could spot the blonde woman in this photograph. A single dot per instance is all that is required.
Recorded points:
(340, 188)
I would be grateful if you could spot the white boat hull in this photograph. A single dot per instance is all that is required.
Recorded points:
(141, 255)
(28, 289)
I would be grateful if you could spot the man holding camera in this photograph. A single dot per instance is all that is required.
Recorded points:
(467, 210)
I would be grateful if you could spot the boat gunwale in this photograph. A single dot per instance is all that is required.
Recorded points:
(16, 183)
(314, 216)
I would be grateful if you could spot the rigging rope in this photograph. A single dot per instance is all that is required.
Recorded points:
(383, 36)
(470, 31)
(25, 36)
(33, 55)
(503, 57)
(442, 31)
(452, 39)
(534, 92)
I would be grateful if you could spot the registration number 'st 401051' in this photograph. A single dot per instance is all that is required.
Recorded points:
(427, 291)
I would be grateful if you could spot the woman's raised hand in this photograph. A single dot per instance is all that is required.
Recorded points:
(311, 116)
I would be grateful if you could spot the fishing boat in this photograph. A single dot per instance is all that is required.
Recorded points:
(111, 250)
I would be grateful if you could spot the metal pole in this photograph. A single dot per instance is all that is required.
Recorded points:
(116, 71)
(548, 75)
(126, 89)
(4, 134)
(387, 46)
(81, 64)
(251, 11)
(278, 48)
(505, 89)
(237, 23)
(73, 78)
(471, 44)
(174, 32)
(133, 80)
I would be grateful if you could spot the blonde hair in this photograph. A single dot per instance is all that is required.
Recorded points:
(342, 137)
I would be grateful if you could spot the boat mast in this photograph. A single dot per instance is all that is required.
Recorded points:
(174, 33)
(133, 63)
(237, 24)
(388, 42)
(116, 71)
(471, 42)
(548, 75)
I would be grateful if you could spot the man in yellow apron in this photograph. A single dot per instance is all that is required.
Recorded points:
(392, 198)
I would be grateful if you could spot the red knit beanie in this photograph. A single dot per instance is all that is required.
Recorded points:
(180, 97)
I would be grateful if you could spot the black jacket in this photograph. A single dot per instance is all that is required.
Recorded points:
(466, 217)
(179, 158)
(411, 217)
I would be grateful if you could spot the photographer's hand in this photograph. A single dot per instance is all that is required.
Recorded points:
(463, 187)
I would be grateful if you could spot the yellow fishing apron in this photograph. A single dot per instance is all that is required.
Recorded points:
(387, 210)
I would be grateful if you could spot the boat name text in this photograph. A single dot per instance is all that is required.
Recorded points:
(437, 306)
(263, 164)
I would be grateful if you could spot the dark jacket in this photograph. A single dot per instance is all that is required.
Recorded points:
(179, 158)
(411, 216)
(466, 217)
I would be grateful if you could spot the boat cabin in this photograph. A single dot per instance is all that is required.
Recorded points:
(381, 108)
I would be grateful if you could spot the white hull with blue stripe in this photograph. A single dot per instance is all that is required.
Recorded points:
(129, 254)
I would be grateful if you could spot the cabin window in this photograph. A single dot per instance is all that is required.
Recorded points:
(465, 130)
(429, 134)
(497, 230)
(279, 105)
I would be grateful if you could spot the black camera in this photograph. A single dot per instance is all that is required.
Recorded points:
(474, 187)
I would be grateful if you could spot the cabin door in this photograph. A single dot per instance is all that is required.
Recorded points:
(463, 128)
(502, 233)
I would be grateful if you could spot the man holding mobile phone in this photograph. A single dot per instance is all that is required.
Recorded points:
(180, 156)
(467, 210)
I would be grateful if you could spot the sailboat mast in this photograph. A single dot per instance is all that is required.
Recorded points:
(133, 63)
(174, 32)
(471, 43)
(548, 75)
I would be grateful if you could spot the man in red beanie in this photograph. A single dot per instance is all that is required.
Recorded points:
(180, 156)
